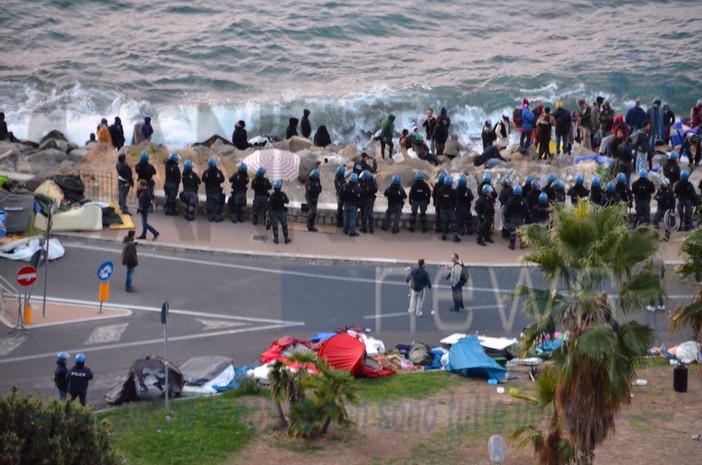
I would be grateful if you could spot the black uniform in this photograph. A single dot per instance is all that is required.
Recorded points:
(596, 194)
(577, 192)
(532, 197)
(339, 181)
(464, 218)
(171, 186)
(146, 171)
(505, 195)
(559, 196)
(516, 211)
(419, 197)
(485, 210)
(261, 187)
(78, 379)
(396, 200)
(671, 170)
(213, 178)
(447, 202)
(437, 208)
(60, 380)
(191, 183)
(540, 214)
(350, 197)
(369, 189)
(237, 200)
(624, 193)
(277, 205)
(686, 197)
(665, 197)
(124, 183)
(312, 190)
(643, 189)
(611, 198)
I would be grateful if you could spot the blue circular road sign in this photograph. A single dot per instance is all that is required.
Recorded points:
(105, 271)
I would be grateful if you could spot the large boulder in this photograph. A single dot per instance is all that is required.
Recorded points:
(223, 148)
(58, 144)
(296, 144)
(48, 158)
(58, 135)
(79, 154)
(350, 151)
(308, 162)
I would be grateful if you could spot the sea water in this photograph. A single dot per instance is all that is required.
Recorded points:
(196, 67)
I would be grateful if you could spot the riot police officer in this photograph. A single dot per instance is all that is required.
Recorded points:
(191, 184)
(516, 212)
(686, 197)
(485, 210)
(171, 184)
(213, 178)
(419, 197)
(145, 171)
(237, 200)
(464, 198)
(369, 188)
(339, 181)
(79, 377)
(447, 204)
(261, 187)
(578, 191)
(279, 212)
(350, 195)
(643, 189)
(396, 196)
(312, 190)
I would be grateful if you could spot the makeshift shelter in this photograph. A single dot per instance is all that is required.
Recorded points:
(146, 380)
(19, 209)
(348, 353)
(210, 374)
(279, 164)
(468, 358)
(282, 347)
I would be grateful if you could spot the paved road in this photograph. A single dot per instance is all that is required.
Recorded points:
(234, 306)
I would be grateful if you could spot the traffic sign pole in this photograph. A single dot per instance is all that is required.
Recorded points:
(26, 276)
(103, 273)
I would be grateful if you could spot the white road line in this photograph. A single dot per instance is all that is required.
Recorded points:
(259, 269)
(8, 344)
(217, 324)
(105, 334)
(395, 315)
(153, 341)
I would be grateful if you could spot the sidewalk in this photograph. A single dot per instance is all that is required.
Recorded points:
(58, 313)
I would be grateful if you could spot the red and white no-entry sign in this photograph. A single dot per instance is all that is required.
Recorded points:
(26, 276)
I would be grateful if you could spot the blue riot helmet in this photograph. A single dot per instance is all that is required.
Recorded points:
(487, 177)
(487, 189)
(188, 165)
(62, 357)
(621, 178)
(173, 156)
(684, 174)
(366, 175)
(558, 185)
(517, 191)
(261, 172)
(442, 176)
(243, 167)
(397, 181)
(528, 180)
(448, 180)
(353, 178)
(212, 162)
(144, 156)
(643, 173)
(579, 179)
(610, 186)
(340, 171)
(314, 174)
(596, 181)
(277, 184)
(543, 198)
(551, 178)
(80, 358)
(462, 181)
(507, 181)
(673, 156)
(419, 176)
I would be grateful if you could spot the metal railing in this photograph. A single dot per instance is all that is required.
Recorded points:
(99, 186)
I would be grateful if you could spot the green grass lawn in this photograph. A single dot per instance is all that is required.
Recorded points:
(417, 385)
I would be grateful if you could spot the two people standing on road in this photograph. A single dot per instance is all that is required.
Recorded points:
(73, 382)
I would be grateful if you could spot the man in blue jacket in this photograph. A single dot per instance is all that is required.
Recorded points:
(527, 128)
(419, 281)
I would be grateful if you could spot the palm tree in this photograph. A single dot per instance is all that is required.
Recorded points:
(333, 390)
(587, 249)
(690, 315)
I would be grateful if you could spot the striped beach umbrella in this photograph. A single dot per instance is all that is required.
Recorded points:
(279, 164)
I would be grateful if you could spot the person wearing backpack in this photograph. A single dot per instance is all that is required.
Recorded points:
(419, 281)
(457, 277)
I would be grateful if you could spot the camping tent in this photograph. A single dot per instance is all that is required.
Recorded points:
(348, 353)
(146, 381)
(468, 358)
(19, 209)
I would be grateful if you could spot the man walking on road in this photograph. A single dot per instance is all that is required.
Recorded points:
(457, 278)
(419, 281)
(129, 258)
(78, 378)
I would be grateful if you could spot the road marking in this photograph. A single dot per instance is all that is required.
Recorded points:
(104, 334)
(155, 341)
(217, 324)
(8, 344)
(399, 314)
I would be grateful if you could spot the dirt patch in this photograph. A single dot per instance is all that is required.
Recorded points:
(454, 426)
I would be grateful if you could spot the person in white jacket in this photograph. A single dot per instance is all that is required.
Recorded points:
(454, 278)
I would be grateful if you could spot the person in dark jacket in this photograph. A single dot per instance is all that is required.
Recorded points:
(322, 137)
(305, 126)
(434, 199)
(191, 184)
(129, 258)
(292, 128)
(350, 195)
(387, 132)
(447, 200)
(146, 129)
(642, 190)
(429, 124)
(488, 135)
(60, 372)
(363, 165)
(686, 198)
(79, 377)
(464, 198)
(622, 188)
(596, 191)
(671, 169)
(313, 189)
(665, 198)
(693, 149)
(532, 196)
(419, 197)
(611, 196)
(419, 281)
(578, 191)
(635, 116)
(540, 213)
(146, 199)
(213, 178)
(145, 171)
(117, 133)
(668, 122)
(237, 199)
(564, 124)
(441, 134)
(171, 184)
(339, 181)
(124, 181)
(396, 196)
(516, 211)
(369, 189)
(655, 115)
(261, 187)
(485, 211)
(240, 137)
(486, 158)
(277, 205)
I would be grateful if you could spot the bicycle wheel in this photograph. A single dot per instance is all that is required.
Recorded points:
(671, 221)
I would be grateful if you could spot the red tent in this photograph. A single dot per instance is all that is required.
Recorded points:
(345, 352)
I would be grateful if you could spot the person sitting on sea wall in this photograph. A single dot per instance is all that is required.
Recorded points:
(453, 147)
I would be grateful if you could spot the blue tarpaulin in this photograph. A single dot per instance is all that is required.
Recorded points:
(468, 358)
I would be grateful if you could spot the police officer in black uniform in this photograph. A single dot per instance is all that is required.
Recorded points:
(261, 187)
(369, 189)
(516, 211)
(237, 200)
(533, 197)
(643, 189)
(396, 196)
(611, 196)
(312, 190)
(145, 171)
(434, 196)
(596, 191)
(339, 181)
(464, 198)
(485, 210)
(419, 197)
(350, 196)
(541, 213)
(578, 191)
(686, 197)
(665, 197)
(279, 212)
(60, 379)
(213, 178)
(171, 184)
(124, 181)
(447, 203)
(79, 377)
(191, 184)
(622, 188)
(671, 169)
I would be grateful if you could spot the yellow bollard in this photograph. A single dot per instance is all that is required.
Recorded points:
(104, 294)
(28, 314)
